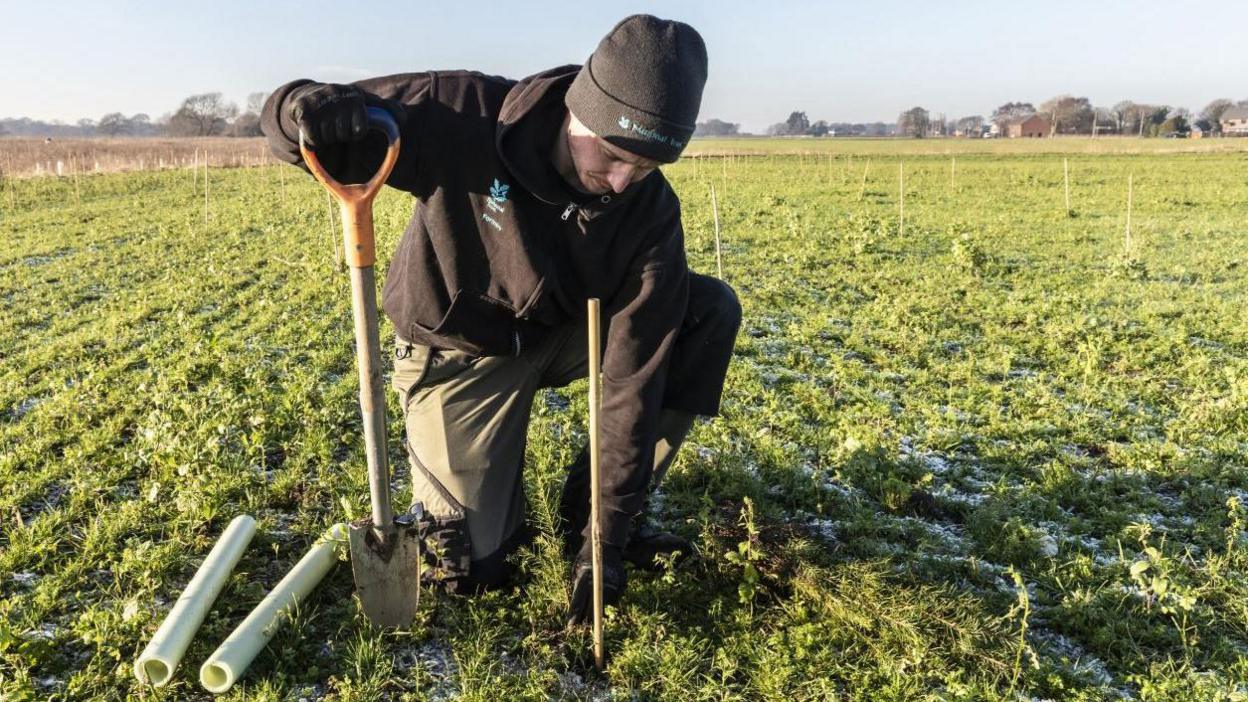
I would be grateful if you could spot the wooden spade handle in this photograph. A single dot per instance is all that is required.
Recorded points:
(355, 202)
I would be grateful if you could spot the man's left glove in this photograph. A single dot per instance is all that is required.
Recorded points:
(329, 113)
(614, 578)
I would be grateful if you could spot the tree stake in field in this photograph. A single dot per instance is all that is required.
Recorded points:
(7, 177)
(719, 261)
(1066, 174)
(333, 230)
(862, 192)
(205, 187)
(595, 532)
(73, 166)
(1130, 198)
(901, 199)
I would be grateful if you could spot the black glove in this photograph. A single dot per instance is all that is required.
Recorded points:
(329, 113)
(614, 578)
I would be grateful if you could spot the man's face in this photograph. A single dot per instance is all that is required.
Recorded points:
(600, 167)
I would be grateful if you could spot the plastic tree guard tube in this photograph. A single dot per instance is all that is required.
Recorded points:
(226, 664)
(165, 650)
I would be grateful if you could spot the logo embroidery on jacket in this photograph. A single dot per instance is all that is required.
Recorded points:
(496, 200)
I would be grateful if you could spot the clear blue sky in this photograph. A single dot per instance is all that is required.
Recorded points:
(837, 61)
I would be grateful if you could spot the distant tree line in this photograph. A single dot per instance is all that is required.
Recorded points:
(210, 114)
(1067, 114)
(716, 127)
(1063, 114)
(206, 114)
(798, 124)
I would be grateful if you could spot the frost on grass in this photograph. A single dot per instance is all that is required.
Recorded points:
(1071, 656)
(572, 684)
(20, 409)
(45, 632)
(437, 660)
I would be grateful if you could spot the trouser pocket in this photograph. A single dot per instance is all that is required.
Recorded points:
(418, 366)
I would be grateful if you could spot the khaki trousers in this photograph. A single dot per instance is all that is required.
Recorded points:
(467, 422)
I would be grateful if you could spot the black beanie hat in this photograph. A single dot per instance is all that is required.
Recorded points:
(641, 88)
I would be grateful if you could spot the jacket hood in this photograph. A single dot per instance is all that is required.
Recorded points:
(528, 125)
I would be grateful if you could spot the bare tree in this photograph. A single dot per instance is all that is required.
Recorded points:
(207, 114)
(1069, 115)
(914, 122)
(716, 127)
(1211, 116)
(1139, 119)
(970, 126)
(1011, 112)
(255, 102)
(113, 124)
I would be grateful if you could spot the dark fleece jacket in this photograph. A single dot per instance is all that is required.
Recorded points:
(499, 249)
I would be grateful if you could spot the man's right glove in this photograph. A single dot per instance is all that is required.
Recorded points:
(614, 578)
(329, 113)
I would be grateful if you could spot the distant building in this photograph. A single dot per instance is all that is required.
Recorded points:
(1197, 133)
(1033, 127)
(1235, 122)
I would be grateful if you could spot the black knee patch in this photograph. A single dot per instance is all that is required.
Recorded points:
(497, 569)
(714, 303)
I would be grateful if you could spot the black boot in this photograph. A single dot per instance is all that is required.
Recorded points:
(647, 542)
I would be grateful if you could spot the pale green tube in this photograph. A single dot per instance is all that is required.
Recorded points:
(168, 645)
(230, 660)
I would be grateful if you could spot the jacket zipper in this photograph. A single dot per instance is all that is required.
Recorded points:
(567, 212)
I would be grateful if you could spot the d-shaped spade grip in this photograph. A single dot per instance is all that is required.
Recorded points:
(355, 202)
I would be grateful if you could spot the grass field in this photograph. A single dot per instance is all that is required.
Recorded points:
(1001, 455)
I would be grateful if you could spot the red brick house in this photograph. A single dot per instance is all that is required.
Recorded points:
(1033, 127)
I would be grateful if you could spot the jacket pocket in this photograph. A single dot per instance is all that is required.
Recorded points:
(478, 325)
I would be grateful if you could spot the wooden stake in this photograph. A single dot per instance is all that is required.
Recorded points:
(73, 166)
(595, 405)
(1130, 198)
(205, 187)
(7, 177)
(901, 199)
(719, 261)
(333, 236)
(862, 192)
(1066, 172)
